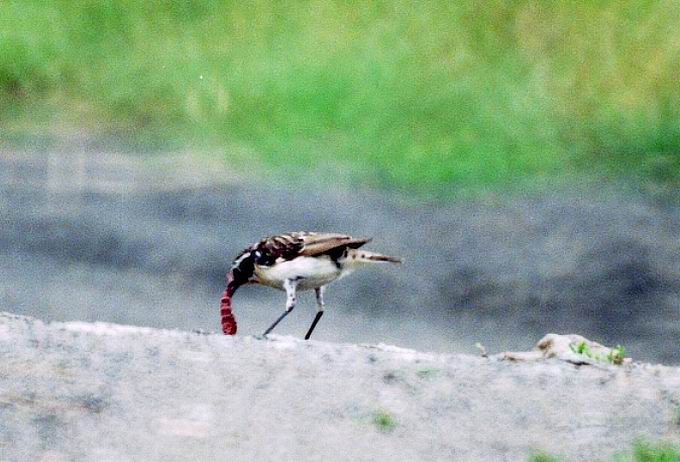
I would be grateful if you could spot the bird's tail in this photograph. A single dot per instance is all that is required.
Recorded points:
(373, 257)
(227, 317)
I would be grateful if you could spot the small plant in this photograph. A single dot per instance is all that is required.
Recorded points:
(642, 452)
(482, 349)
(581, 348)
(542, 457)
(615, 355)
(384, 421)
(663, 452)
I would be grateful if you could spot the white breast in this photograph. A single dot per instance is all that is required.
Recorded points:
(312, 272)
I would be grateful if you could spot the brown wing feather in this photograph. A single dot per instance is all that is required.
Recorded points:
(286, 246)
(292, 245)
(321, 243)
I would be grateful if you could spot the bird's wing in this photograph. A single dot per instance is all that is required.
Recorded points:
(323, 243)
(281, 246)
(292, 245)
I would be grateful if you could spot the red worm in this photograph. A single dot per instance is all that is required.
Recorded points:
(227, 317)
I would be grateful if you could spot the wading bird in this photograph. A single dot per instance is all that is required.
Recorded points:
(292, 262)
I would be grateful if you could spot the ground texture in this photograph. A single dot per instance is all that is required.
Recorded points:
(83, 391)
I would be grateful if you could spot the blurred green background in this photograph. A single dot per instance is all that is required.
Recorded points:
(437, 98)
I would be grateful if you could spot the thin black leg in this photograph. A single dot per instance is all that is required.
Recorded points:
(285, 313)
(290, 286)
(311, 328)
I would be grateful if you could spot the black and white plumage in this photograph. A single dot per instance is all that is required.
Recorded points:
(296, 261)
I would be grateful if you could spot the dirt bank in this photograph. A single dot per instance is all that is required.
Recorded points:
(80, 391)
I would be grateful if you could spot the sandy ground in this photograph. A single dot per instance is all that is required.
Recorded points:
(80, 391)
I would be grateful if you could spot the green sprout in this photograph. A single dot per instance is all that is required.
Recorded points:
(615, 356)
(542, 457)
(642, 451)
(384, 421)
(662, 452)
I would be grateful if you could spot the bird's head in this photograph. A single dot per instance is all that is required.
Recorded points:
(241, 272)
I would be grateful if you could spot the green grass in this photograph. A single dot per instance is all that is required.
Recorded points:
(542, 457)
(616, 356)
(434, 97)
(647, 452)
(384, 421)
(642, 451)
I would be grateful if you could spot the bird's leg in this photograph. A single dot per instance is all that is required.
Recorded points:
(290, 285)
(320, 306)
(319, 297)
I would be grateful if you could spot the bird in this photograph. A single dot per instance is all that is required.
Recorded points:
(292, 262)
